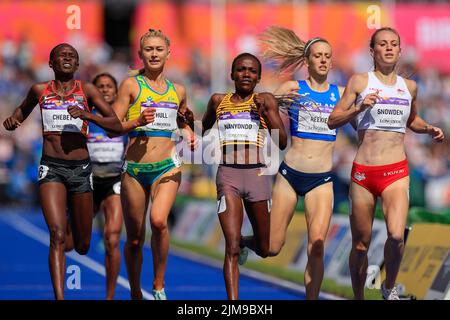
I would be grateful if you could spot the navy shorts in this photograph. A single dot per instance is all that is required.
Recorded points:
(303, 182)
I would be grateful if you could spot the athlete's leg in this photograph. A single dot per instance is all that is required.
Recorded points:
(134, 200)
(69, 237)
(284, 201)
(361, 219)
(258, 214)
(318, 211)
(231, 223)
(82, 205)
(395, 200)
(112, 209)
(163, 195)
(53, 200)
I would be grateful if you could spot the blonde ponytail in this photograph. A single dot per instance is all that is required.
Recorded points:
(285, 48)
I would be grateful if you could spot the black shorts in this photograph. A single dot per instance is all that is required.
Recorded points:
(76, 175)
(104, 187)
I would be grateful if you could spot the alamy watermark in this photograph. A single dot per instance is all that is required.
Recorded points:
(373, 21)
(73, 281)
(74, 19)
(373, 280)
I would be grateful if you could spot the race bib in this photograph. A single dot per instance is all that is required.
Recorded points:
(241, 126)
(116, 187)
(104, 149)
(55, 117)
(43, 170)
(165, 115)
(177, 160)
(390, 112)
(313, 119)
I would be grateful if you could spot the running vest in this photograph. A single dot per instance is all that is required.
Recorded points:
(103, 149)
(55, 117)
(239, 123)
(310, 120)
(166, 105)
(390, 114)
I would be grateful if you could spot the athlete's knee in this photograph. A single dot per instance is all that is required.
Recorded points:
(360, 247)
(316, 248)
(263, 250)
(111, 241)
(134, 243)
(57, 236)
(275, 247)
(68, 245)
(158, 224)
(397, 239)
(82, 247)
(232, 248)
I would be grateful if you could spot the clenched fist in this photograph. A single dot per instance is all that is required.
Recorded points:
(260, 104)
(11, 123)
(147, 116)
(76, 112)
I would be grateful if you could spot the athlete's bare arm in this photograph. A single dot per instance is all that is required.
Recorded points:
(185, 126)
(128, 91)
(346, 109)
(209, 118)
(341, 93)
(107, 121)
(288, 87)
(183, 109)
(415, 122)
(25, 108)
(268, 108)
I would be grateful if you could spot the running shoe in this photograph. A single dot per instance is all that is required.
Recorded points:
(159, 294)
(389, 294)
(243, 254)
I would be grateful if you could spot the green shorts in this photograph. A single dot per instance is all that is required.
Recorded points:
(147, 173)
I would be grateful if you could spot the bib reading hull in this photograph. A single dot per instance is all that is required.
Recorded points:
(166, 107)
(165, 115)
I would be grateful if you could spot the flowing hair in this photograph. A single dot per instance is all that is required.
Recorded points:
(285, 48)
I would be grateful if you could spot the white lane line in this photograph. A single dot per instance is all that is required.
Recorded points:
(30, 230)
(250, 273)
